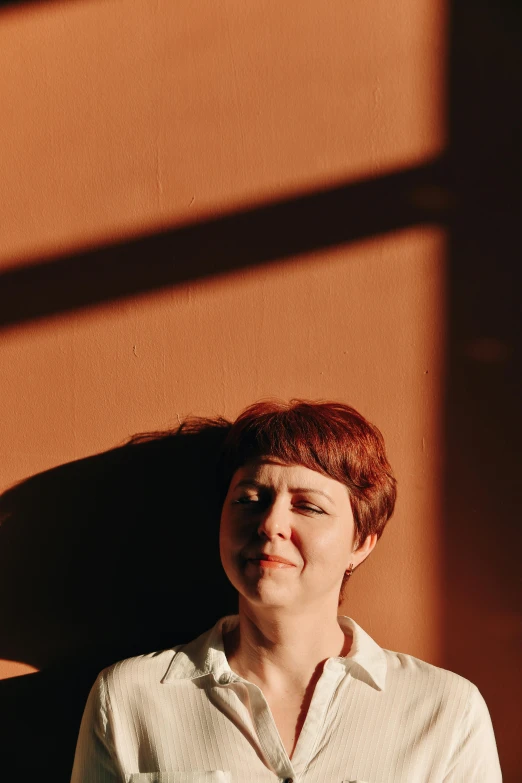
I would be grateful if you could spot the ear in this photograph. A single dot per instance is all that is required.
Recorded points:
(363, 550)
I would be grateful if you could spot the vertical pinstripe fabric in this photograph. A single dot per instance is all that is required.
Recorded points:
(182, 716)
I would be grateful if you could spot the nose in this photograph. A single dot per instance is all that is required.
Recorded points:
(275, 522)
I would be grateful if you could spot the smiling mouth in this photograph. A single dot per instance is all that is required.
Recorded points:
(270, 561)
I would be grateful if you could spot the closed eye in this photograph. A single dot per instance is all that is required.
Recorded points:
(255, 503)
(246, 500)
(310, 509)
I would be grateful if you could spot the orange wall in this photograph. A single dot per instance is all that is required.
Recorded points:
(119, 118)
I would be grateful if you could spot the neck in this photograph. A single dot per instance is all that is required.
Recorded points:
(283, 650)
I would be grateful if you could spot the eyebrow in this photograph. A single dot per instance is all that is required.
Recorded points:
(259, 485)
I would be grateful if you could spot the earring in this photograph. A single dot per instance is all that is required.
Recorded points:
(349, 571)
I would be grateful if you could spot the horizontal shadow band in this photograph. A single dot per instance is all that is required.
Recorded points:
(239, 240)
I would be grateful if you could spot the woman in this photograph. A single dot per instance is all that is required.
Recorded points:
(287, 690)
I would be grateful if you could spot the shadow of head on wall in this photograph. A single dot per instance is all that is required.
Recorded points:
(115, 554)
(101, 559)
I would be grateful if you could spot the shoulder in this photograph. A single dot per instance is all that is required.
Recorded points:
(442, 689)
(402, 668)
(131, 676)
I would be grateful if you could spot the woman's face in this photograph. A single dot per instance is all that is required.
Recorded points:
(287, 535)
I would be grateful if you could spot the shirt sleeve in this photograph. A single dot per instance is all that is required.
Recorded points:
(95, 758)
(475, 757)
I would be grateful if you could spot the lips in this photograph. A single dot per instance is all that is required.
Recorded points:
(263, 558)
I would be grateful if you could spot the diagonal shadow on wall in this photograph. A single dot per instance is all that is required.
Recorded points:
(14, 4)
(272, 232)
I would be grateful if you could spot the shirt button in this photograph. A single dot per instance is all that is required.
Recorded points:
(288, 780)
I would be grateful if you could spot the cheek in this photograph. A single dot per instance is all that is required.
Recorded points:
(223, 539)
(326, 547)
(230, 536)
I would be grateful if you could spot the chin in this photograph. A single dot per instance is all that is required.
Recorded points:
(269, 596)
(267, 590)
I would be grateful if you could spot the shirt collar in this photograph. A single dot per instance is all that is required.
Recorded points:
(364, 651)
(206, 655)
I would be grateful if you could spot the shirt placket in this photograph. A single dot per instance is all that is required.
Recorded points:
(268, 736)
(256, 719)
(316, 718)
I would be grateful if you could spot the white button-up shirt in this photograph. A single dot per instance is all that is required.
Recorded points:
(183, 716)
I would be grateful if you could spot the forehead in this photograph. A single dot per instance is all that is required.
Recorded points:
(283, 477)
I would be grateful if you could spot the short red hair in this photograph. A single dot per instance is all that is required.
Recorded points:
(329, 437)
